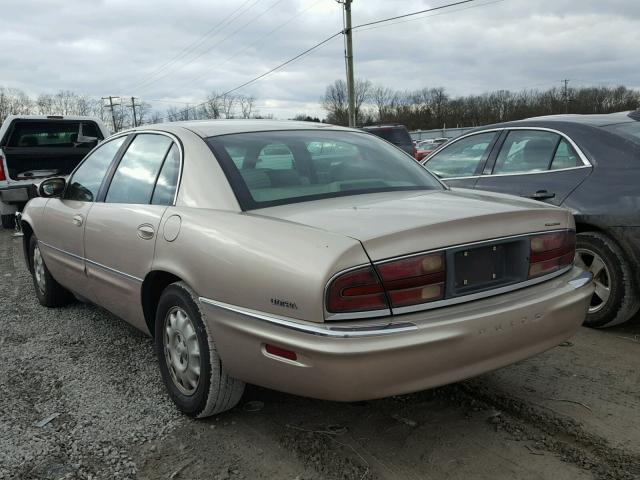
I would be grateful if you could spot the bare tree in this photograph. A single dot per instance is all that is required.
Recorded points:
(247, 104)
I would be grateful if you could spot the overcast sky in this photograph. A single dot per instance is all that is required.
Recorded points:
(136, 47)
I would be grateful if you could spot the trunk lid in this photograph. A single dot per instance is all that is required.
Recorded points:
(399, 223)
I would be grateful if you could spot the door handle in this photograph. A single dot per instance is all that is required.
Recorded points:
(77, 220)
(146, 231)
(542, 195)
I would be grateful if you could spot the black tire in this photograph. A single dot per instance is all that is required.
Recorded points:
(49, 292)
(623, 301)
(215, 391)
(8, 221)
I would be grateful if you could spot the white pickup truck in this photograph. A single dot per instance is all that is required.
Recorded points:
(34, 147)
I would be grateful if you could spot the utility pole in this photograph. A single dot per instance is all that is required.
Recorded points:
(351, 90)
(566, 95)
(133, 111)
(113, 114)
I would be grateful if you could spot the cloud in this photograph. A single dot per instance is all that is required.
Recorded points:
(117, 47)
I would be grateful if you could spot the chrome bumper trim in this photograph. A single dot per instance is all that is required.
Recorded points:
(352, 331)
(581, 280)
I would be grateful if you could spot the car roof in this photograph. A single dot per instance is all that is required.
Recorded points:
(213, 128)
(594, 120)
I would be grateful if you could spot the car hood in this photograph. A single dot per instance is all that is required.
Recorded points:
(398, 223)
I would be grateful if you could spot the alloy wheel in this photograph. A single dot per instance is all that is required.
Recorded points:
(592, 262)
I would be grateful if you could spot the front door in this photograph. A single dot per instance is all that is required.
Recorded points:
(460, 163)
(121, 231)
(61, 237)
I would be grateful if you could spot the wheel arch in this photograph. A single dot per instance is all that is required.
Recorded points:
(153, 285)
(632, 254)
(27, 233)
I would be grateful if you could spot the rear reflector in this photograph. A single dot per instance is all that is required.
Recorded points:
(280, 352)
(356, 291)
(551, 252)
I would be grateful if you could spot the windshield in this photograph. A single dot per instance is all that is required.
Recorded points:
(280, 167)
(628, 130)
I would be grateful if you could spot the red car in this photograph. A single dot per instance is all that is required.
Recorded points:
(425, 147)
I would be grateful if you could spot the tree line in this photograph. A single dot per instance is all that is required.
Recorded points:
(432, 108)
(14, 101)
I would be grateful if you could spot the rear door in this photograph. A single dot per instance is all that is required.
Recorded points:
(61, 235)
(535, 163)
(121, 230)
(461, 162)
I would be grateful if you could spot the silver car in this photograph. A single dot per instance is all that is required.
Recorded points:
(311, 259)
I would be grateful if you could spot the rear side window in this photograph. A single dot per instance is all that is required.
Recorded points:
(136, 174)
(526, 151)
(88, 177)
(53, 134)
(167, 183)
(463, 158)
(565, 157)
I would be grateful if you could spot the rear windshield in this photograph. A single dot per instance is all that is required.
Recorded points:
(53, 134)
(276, 168)
(393, 135)
(628, 130)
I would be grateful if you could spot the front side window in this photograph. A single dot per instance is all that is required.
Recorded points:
(526, 151)
(85, 182)
(284, 167)
(136, 174)
(462, 158)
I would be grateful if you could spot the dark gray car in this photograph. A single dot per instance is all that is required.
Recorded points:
(587, 163)
(396, 134)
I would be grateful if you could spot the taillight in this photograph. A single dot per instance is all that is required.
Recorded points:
(356, 291)
(2, 174)
(551, 252)
(414, 280)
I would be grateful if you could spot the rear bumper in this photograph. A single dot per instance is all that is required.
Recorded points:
(417, 351)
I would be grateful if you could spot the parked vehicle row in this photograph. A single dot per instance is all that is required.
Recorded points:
(33, 147)
(589, 164)
(311, 259)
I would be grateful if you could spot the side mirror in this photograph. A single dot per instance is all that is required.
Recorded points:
(52, 187)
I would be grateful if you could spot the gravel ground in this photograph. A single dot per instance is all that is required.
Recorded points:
(570, 413)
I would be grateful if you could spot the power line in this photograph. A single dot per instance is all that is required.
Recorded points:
(318, 45)
(193, 59)
(429, 16)
(255, 79)
(234, 55)
(228, 20)
(384, 20)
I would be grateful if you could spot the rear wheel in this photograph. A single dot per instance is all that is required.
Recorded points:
(614, 300)
(9, 221)
(189, 362)
(49, 292)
